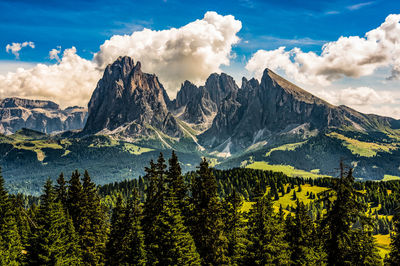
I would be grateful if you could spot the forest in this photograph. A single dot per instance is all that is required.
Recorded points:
(205, 217)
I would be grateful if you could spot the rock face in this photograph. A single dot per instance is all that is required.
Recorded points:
(129, 103)
(199, 105)
(43, 116)
(276, 107)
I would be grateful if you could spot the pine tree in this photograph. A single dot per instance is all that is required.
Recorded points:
(177, 182)
(342, 242)
(302, 238)
(173, 245)
(10, 242)
(234, 228)
(89, 218)
(94, 236)
(394, 255)
(53, 241)
(61, 190)
(267, 245)
(206, 225)
(116, 248)
(155, 195)
(136, 249)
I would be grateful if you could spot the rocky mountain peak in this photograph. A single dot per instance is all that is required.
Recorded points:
(128, 102)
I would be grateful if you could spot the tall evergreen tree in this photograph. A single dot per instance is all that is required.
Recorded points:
(267, 245)
(394, 255)
(94, 236)
(302, 238)
(10, 242)
(177, 182)
(136, 249)
(173, 244)
(234, 227)
(206, 225)
(155, 194)
(53, 241)
(116, 248)
(342, 242)
(61, 190)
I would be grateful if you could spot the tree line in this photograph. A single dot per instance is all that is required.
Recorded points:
(167, 218)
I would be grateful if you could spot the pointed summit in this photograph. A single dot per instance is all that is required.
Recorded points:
(129, 103)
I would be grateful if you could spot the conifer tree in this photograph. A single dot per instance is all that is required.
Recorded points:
(234, 226)
(61, 190)
(207, 227)
(116, 248)
(177, 182)
(136, 249)
(94, 235)
(394, 255)
(53, 241)
(10, 242)
(342, 243)
(173, 245)
(267, 245)
(302, 238)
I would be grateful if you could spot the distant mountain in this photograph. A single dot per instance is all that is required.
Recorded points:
(43, 116)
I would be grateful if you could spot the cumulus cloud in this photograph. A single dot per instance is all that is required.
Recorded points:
(15, 47)
(53, 54)
(360, 96)
(69, 82)
(191, 52)
(347, 57)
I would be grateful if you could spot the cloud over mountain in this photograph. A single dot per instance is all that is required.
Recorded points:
(191, 52)
(352, 56)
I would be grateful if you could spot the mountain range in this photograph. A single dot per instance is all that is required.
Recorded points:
(271, 123)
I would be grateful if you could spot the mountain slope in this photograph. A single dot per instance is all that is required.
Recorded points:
(276, 108)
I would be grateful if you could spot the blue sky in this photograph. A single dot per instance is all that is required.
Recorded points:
(265, 26)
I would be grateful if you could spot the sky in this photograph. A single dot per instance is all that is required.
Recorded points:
(346, 52)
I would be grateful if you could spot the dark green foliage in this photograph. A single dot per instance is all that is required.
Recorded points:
(394, 255)
(88, 216)
(265, 234)
(234, 227)
(207, 227)
(10, 242)
(53, 240)
(343, 244)
(126, 241)
(302, 236)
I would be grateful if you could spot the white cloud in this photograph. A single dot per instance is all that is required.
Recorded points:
(53, 54)
(191, 52)
(15, 47)
(69, 82)
(360, 96)
(359, 6)
(348, 56)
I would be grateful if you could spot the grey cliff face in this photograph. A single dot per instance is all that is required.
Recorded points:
(129, 102)
(43, 116)
(273, 107)
(199, 105)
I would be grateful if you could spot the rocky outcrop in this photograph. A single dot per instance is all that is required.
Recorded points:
(129, 103)
(43, 116)
(198, 105)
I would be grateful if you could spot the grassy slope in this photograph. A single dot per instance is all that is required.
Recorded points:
(286, 169)
(382, 241)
